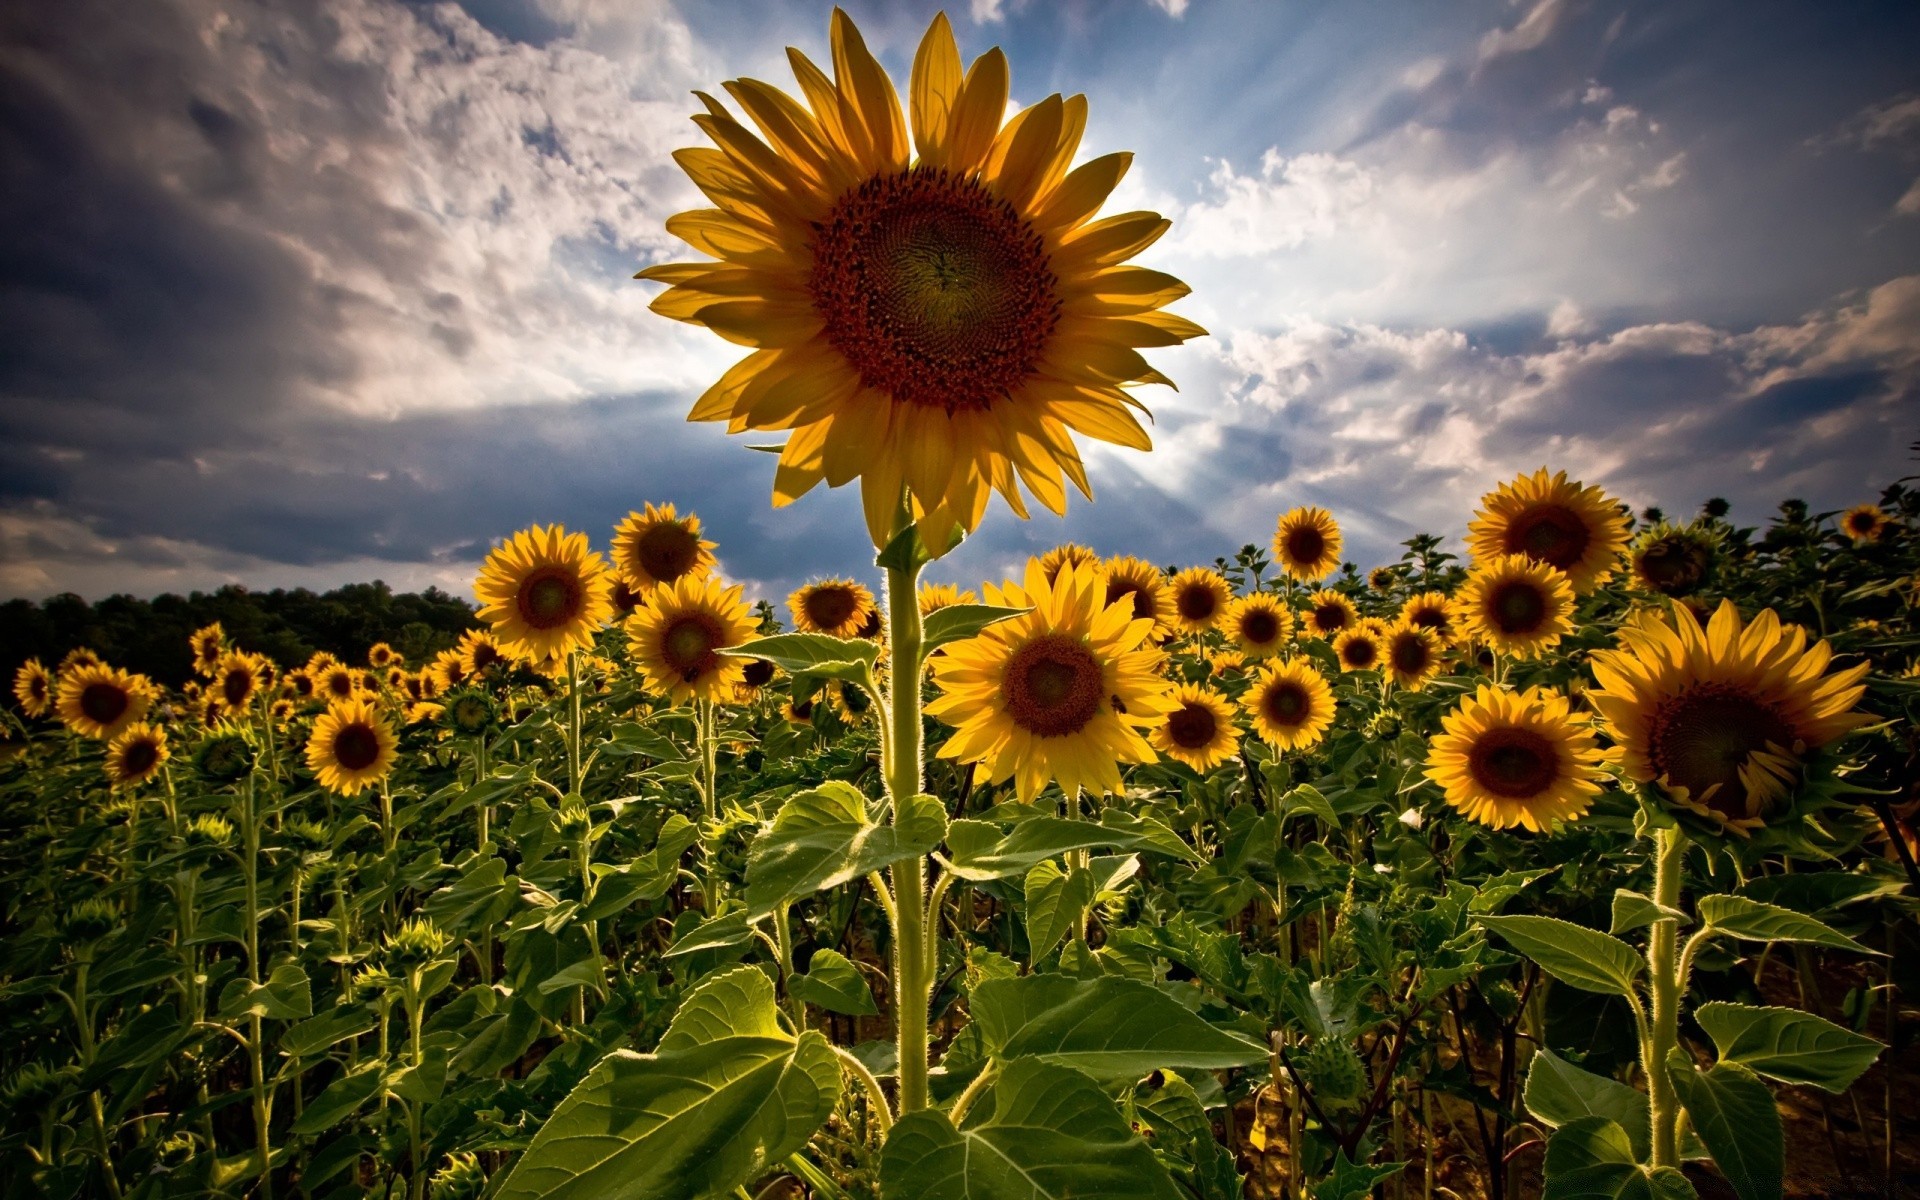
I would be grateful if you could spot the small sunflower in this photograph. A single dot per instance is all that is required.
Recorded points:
(380, 656)
(1306, 544)
(1411, 656)
(1226, 664)
(351, 748)
(1576, 529)
(33, 687)
(1383, 579)
(445, 672)
(395, 679)
(798, 712)
(676, 635)
(281, 711)
(1067, 554)
(545, 592)
(1509, 759)
(836, 607)
(1431, 611)
(1201, 732)
(849, 701)
(1864, 523)
(1200, 598)
(755, 675)
(100, 702)
(659, 546)
(76, 658)
(236, 680)
(1722, 717)
(207, 644)
(1673, 560)
(935, 596)
(1063, 693)
(1259, 625)
(1516, 605)
(1290, 704)
(479, 652)
(337, 682)
(1141, 582)
(136, 755)
(1358, 649)
(1328, 614)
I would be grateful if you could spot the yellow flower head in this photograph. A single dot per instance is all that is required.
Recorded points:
(1328, 614)
(1306, 544)
(676, 635)
(236, 679)
(1290, 704)
(380, 656)
(1576, 529)
(1433, 612)
(207, 643)
(1358, 649)
(1515, 605)
(1411, 655)
(1200, 598)
(137, 755)
(1139, 581)
(1260, 625)
(837, 607)
(935, 596)
(1509, 759)
(33, 688)
(1201, 732)
(1067, 554)
(100, 702)
(352, 747)
(659, 546)
(1864, 523)
(545, 592)
(479, 652)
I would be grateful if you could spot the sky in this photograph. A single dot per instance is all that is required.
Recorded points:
(298, 294)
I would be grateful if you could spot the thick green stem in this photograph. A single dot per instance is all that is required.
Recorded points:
(256, 1065)
(1663, 979)
(573, 722)
(912, 980)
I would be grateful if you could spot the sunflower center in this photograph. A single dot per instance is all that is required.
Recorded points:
(1410, 656)
(340, 683)
(356, 747)
(1515, 764)
(549, 597)
(1517, 607)
(687, 646)
(1053, 686)
(1286, 703)
(1197, 603)
(830, 607)
(1673, 566)
(1329, 618)
(1701, 738)
(1192, 726)
(667, 551)
(1360, 653)
(936, 291)
(1428, 618)
(759, 672)
(1260, 627)
(1305, 545)
(303, 685)
(237, 685)
(139, 758)
(1549, 533)
(104, 703)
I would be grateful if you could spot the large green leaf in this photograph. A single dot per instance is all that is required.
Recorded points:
(1055, 899)
(956, 622)
(1593, 1159)
(824, 837)
(1558, 1094)
(815, 654)
(1573, 954)
(1734, 1115)
(728, 1092)
(1757, 922)
(1041, 1132)
(1787, 1044)
(980, 851)
(1111, 1028)
(1632, 910)
(835, 984)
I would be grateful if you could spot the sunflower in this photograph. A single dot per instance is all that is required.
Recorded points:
(207, 644)
(798, 712)
(1506, 759)
(320, 664)
(1383, 579)
(135, 756)
(76, 658)
(380, 656)
(99, 701)
(1433, 612)
(935, 596)
(1201, 732)
(1141, 582)
(545, 592)
(1722, 717)
(849, 701)
(1864, 523)
(927, 300)
(1516, 605)
(235, 679)
(676, 635)
(1200, 598)
(1258, 624)
(1061, 693)
(479, 651)
(1673, 560)
(1226, 664)
(1290, 703)
(1306, 544)
(395, 679)
(336, 683)
(33, 687)
(836, 607)
(755, 675)
(874, 628)
(281, 711)
(414, 685)
(625, 599)
(1358, 649)
(1328, 614)
(352, 747)
(445, 672)
(1067, 554)
(1563, 523)
(1411, 655)
(659, 546)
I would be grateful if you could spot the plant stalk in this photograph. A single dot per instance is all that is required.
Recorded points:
(912, 980)
(1663, 977)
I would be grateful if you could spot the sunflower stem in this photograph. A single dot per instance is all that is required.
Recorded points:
(905, 751)
(1663, 977)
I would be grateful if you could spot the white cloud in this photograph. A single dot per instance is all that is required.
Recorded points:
(986, 11)
(1530, 34)
(1909, 203)
(1290, 202)
(1173, 8)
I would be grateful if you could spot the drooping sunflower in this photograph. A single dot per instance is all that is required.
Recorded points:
(236, 680)
(100, 702)
(676, 635)
(1516, 606)
(1722, 717)
(136, 755)
(928, 300)
(1509, 759)
(1063, 693)
(836, 607)
(1358, 649)
(1306, 544)
(33, 688)
(1201, 732)
(1576, 529)
(935, 596)
(545, 592)
(1200, 598)
(1328, 614)
(281, 711)
(380, 656)
(1673, 560)
(659, 546)
(1067, 554)
(207, 643)
(1864, 523)
(1290, 704)
(1142, 583)
(479, 652)
(1411, 656)
(1259, 625)
(1433, 612)
(352, 747)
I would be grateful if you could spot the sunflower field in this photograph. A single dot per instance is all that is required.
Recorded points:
(1579, 863)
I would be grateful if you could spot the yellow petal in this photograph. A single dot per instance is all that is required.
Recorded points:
(1082, 192)
(763, 324)
(937, 78)
(976, 117)
(1022, 150)
(864, 85)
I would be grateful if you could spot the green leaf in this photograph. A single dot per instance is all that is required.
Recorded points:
(1593, 1159)
(501, 1043)
(1757, 922)
(1110, 1028)
(824, 837)
(719, 933)
(285, 996)
(1306, 800)
(1573, 954)
(1353, 1181)
(1632, 911)
(956, 622)
(1733, 1113)
(327, 1029)
(1788, 1045)
(835, 984)
(1041, 1132)
(1558, 1093)
(1055, 900)
(341, 1099)
(729, 1093)
(847, 659)
(980, 851)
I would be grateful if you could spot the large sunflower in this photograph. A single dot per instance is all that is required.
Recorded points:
(928, 301)
(236, 679)
(1864, 523)
(33, 687)
(1201, 732)
(659, 546)
(136, 755)
(1062, 693)
(1328, 614)
(1506, 759)
(836, 607)
(545, 592)
(1722, 717)
(1516, 605)
(676, 635)
(99, 701)
(1563, 523)
(351, 748)
(1200, 598)
(1290, 703)
(1258, 624)
(1411, 655)
(1137, 580)
(1306, 544)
